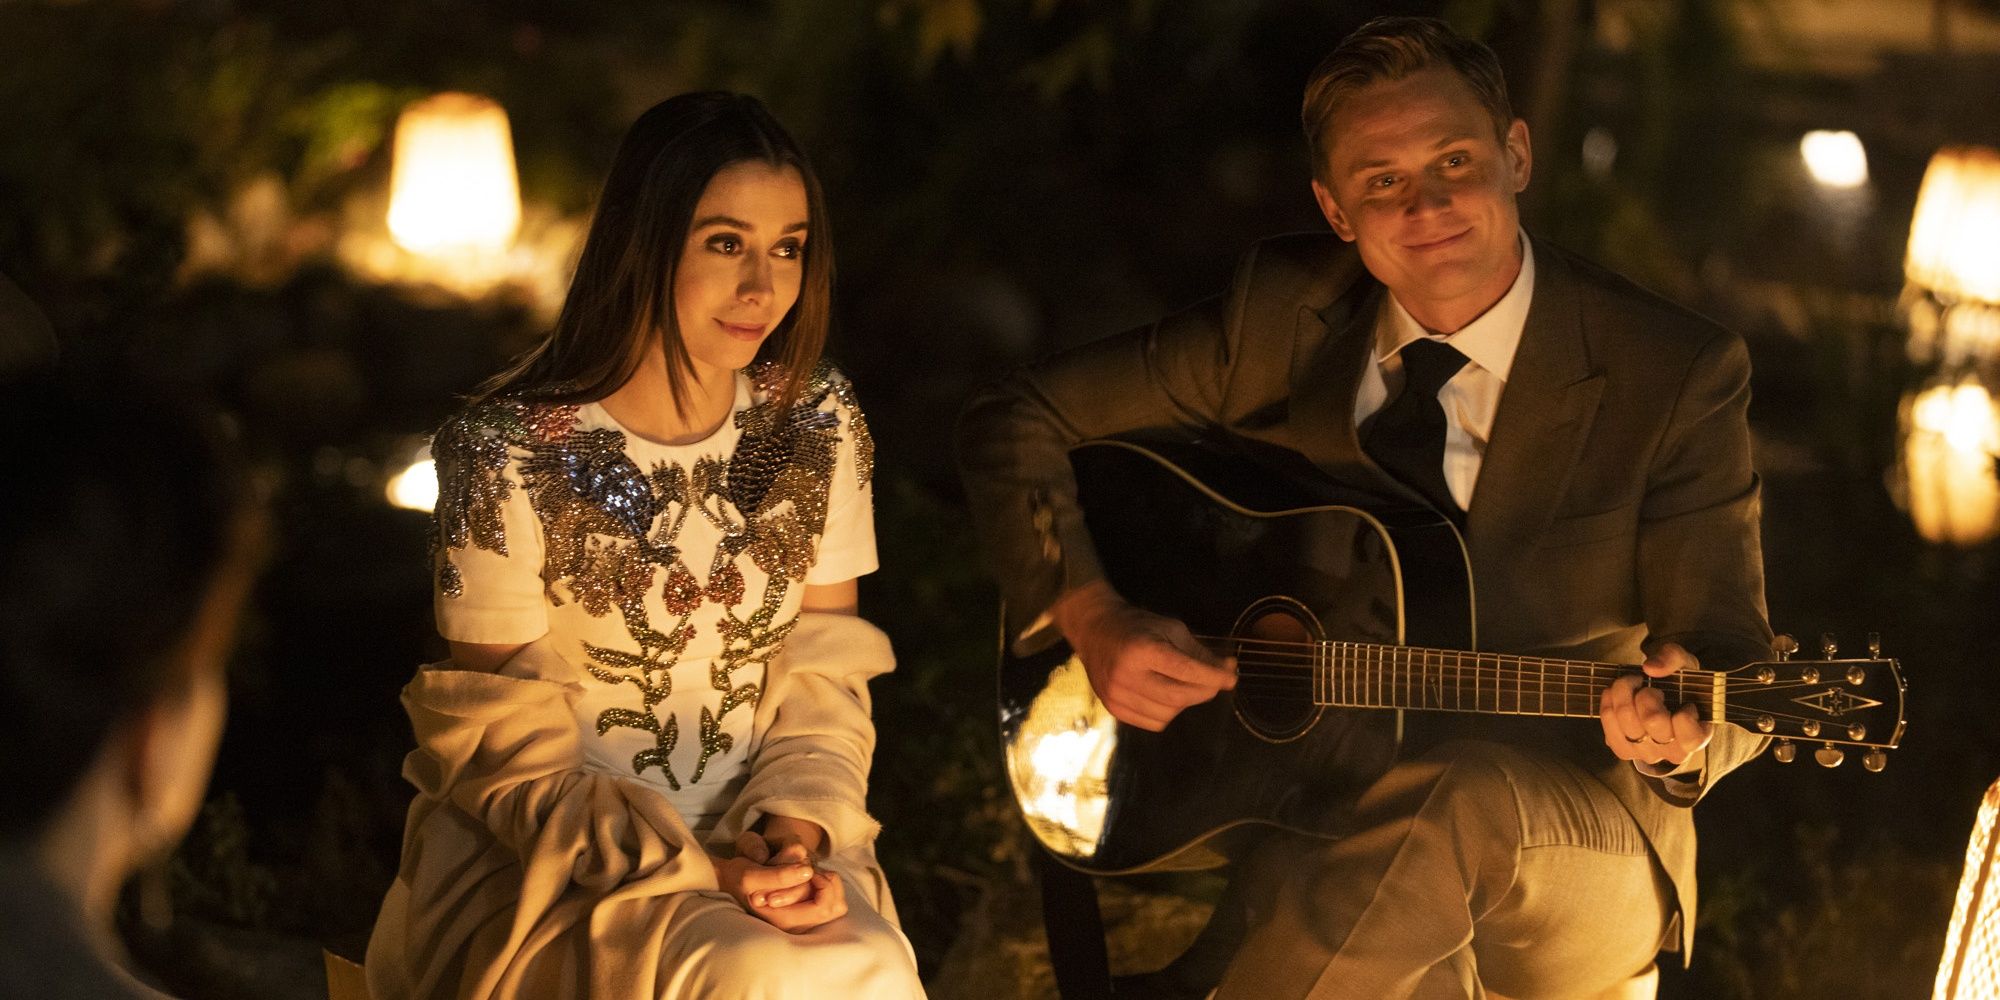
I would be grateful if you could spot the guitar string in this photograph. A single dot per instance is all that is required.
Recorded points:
(1381, 667)
(1315, 648)
(1277, 647)
(1291, 685)
(1386, 667)
(1527, 683)
(1373, 653)
(1703, 680)
(1520, 694)
(1733, 714)
(1524, 681)
(1451, 660)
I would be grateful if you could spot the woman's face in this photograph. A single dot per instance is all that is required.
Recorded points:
(741, 267)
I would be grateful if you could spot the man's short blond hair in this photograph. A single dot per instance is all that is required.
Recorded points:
(1391, 48)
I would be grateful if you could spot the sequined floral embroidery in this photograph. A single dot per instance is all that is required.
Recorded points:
(609, 530)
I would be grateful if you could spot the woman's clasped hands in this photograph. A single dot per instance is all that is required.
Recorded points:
(774, 878)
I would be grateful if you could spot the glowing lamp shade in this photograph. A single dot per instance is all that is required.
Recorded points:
(1951, 438)
(1835, 159)
(416, 487)
(453, 189)
(1955, 236)
(1971, 965)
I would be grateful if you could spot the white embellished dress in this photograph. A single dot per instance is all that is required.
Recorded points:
(671, 694)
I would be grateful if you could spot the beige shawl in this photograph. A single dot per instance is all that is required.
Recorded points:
(524, 874)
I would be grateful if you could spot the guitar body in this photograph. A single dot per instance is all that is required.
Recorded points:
(1276, 557)
(1329, 600)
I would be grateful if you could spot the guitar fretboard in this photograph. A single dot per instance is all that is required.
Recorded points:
(1370, 675)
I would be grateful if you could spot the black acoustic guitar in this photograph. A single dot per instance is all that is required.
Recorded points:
(1311, 591)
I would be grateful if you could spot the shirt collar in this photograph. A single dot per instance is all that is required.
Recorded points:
(1489, 341)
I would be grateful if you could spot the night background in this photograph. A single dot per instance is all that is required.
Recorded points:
(199, 187)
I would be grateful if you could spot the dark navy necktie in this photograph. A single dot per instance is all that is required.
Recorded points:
(1407, 437)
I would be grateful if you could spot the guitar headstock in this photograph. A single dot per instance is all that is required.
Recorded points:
(1832, 702)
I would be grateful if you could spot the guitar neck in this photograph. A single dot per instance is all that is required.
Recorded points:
(1370, 675)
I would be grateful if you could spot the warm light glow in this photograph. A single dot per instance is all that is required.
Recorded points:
(416, 487)
(1951, 438)
(1835, 159)
(453, 189)
(1955, 235)
(1058, 762)
(1971, 964)
(1600, 151)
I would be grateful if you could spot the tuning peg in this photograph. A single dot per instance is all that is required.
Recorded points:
(1856, 675)
(1829, 756)
(1828, 645)
(1783, 646)
(1785, 751)
(1874, 645)
(1874, 760)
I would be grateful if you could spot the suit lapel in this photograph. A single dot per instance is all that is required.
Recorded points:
(1544, 419)
(1326, 378)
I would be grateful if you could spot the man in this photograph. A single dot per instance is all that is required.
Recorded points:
(126, 552)
(1589, 438)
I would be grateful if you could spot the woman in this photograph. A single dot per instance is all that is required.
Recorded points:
(643, 771)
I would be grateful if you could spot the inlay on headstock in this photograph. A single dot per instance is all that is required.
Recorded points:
(1830, 701)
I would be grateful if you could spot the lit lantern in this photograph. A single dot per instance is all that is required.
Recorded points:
(453, 190)
(416, 487)
(1951, 438)
(1835, 159)
(1955, 236)
(1971, 964)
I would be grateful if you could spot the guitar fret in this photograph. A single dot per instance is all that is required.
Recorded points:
(1410, 658)
(1413, 662)
(1498, 709)
(1375, 677)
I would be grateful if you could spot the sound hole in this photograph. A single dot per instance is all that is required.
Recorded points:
(1274, 658)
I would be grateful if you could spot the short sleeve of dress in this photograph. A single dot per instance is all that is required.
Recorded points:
(847, 547)
(487, 559)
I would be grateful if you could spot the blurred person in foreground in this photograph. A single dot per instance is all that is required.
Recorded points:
(643, 771)
(27, 341)
(127, 551)
(1588, 439)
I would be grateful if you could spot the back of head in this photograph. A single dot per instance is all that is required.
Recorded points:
(1391, 48)
(26, 338)
(118, 511)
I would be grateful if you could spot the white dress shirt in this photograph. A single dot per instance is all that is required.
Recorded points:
(1472, 397)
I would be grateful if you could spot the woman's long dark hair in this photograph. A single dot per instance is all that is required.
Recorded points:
(623, 290)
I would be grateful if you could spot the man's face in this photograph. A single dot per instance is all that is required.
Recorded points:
(1425, 189)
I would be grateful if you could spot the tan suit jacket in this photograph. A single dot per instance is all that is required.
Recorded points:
(1615, 509)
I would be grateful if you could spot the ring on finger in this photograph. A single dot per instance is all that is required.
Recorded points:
(1635, 740)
